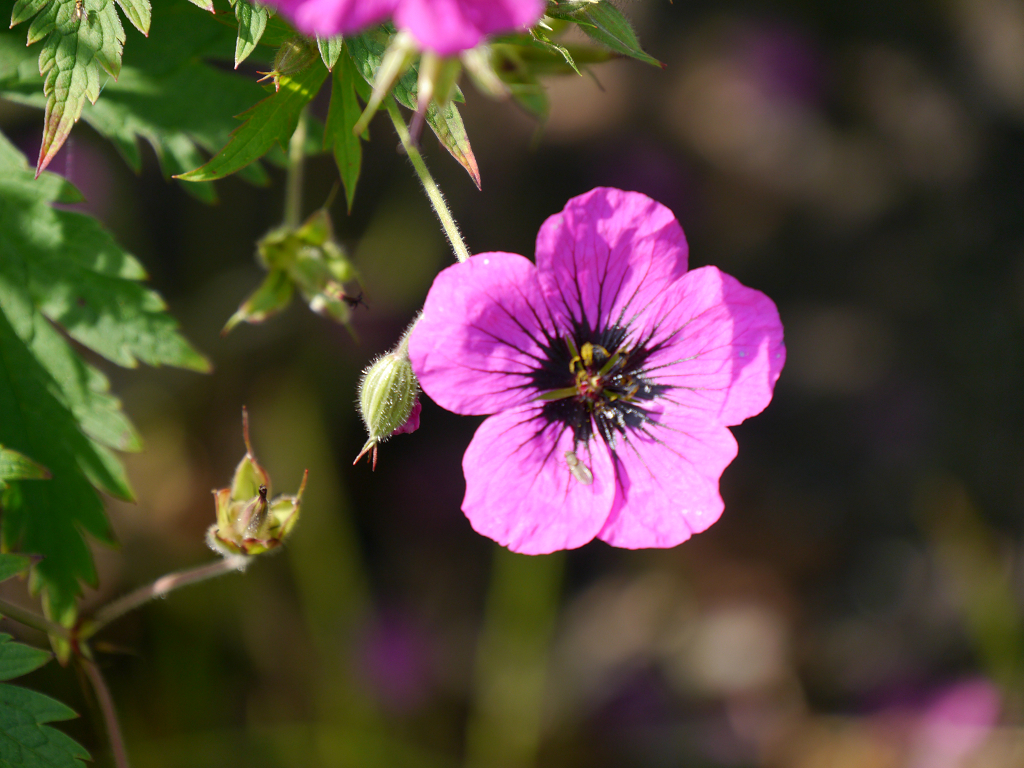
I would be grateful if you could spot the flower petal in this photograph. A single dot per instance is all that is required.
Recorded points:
(520, 490)
(449, 26)
(479, 340)
(607, 256)
(334, 17)
(668, 481)
(718, 344)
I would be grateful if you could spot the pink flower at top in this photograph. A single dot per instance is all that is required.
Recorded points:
(443, 26)
(612, 374)
(334, 17)
(449, 26)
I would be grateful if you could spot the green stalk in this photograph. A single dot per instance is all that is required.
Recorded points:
(106, 705)
(504, 726)
(162, 586)
(294, 177)
(34, 620)
(451, 229)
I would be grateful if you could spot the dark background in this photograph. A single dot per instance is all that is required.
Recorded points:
(859, 602)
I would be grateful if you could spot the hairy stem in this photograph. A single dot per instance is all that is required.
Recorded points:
(106, 705)
(451, 229)
(294, 178)
(159, 588)
(34, 620)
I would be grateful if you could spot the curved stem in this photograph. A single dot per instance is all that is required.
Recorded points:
(34, 620)
(106, 705)
(451, 229)
(162, 586)
(294, 178)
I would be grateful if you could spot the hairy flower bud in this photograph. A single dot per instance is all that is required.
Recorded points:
(294, 56)
(389, 398)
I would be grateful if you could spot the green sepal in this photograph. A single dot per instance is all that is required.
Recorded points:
(273, 295)
(307, 259)
(247, 522)
(447, 125)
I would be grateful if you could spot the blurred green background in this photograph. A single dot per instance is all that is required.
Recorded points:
(858, 604)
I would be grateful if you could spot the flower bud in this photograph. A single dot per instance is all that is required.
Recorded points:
(294, 56)
(389, 398)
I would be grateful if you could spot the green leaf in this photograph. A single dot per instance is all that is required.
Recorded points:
(25, 10)
(139, 13)
(17, 466)
(81, 39)
(12, 565)
(605, 23)
(272, 120)
(17, 659)
(341, 119)
(447, 124)
(330, 50)
(252, 23)
(165, 94)
(367, 51)
(61, 270)
(25, 739)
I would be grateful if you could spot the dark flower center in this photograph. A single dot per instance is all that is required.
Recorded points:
(599, 381)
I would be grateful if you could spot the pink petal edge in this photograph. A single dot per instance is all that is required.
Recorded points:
(520, 490)
(608, 255)
(476, 345)
(668, 479)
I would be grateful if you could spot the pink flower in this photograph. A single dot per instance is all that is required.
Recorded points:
(449, 26)
(611, 372)
(335, 17)
(443, 26)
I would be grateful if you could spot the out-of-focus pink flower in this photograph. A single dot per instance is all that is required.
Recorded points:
(449, 26)
(955, 725)
(335, 17)
(612, 373)
(442, 26)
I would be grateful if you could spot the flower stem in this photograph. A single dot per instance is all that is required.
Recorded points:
(34, 620)
(106, 705)
(451, 229)
(511, 663)
(159, 588)
(294, 177)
